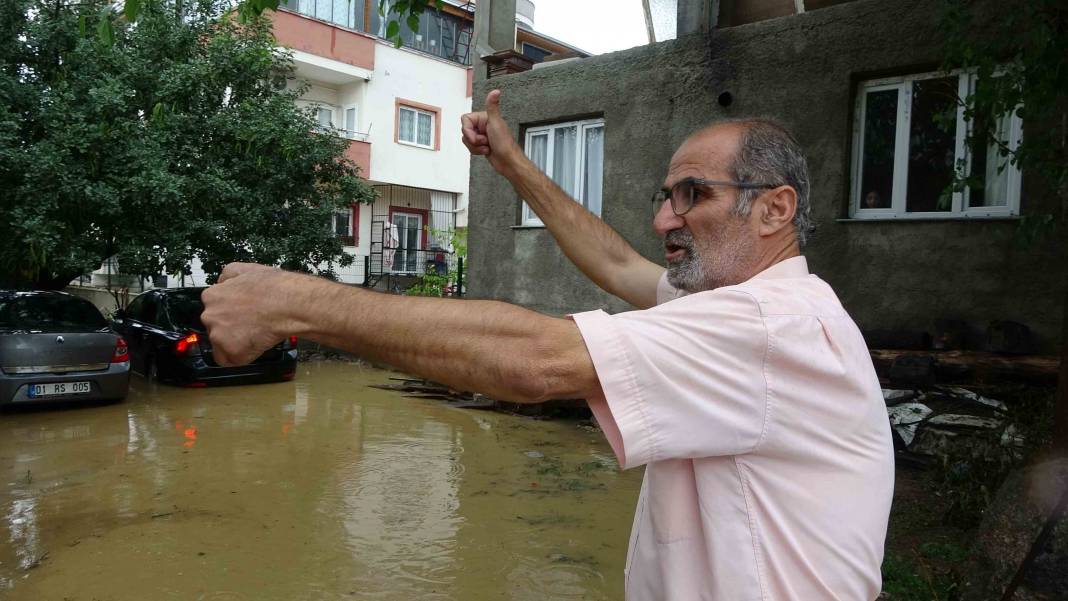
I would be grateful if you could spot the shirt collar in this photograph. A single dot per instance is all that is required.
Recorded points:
(794, 267)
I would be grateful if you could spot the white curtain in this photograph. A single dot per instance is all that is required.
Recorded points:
(424, 129)
(593, 169)
(565, 145)
(996, 193)
(407, 125)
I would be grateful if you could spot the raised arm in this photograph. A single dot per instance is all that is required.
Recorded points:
(594, 247)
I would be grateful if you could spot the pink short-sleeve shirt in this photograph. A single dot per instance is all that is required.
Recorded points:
(759, 417)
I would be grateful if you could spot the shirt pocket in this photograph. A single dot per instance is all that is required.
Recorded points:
(673, 503)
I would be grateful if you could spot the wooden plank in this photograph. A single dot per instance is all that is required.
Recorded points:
(974, 366)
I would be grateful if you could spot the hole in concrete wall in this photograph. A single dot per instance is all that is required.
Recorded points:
(725, 99)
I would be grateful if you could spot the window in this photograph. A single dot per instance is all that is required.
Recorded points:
(439, 33)
(346, 13)
(535, 53)
(324, 116)
(350, 123)
(407, 241)
(415, 126)
(343, 226)
(907, 161)
(572, 155)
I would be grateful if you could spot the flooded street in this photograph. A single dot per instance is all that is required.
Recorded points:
(316, 489)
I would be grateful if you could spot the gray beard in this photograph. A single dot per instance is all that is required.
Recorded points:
(687, 273)
(723, 266)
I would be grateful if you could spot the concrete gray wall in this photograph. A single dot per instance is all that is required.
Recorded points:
(803, 71)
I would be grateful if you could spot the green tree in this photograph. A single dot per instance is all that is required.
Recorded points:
(176, 136)
(1020, 55)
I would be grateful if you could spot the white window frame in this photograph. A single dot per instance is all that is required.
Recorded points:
(344, 130)
(962, 156)
(400, 251)
(415, 126)
(528, 218)
(333, 117)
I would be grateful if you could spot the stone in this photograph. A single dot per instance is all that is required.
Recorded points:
(1021, 508)
(896, 397)
(906, 418)
(964, 421)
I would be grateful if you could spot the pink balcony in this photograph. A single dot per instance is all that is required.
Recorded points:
(360, 153)
(324, 40)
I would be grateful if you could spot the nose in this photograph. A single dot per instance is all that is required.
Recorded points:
(666, 220)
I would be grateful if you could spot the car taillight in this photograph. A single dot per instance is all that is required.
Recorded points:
(122, 351)
(187, 345)
(292, 342)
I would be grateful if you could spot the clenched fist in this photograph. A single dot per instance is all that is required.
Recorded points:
(485, 133)
(247, 311)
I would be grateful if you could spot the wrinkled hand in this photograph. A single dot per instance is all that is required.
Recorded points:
(485, 133)
(245, 312)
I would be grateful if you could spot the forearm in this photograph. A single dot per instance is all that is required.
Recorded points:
(501, 350)
(594, 247)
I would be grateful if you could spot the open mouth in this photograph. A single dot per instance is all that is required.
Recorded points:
(673, 251)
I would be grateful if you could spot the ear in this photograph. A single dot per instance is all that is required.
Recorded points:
(775, 210)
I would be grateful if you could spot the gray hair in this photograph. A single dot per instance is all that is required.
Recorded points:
(768, 153)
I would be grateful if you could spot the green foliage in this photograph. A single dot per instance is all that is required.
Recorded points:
(1020, 64)
(905, 581)
(434, 284)
(176, 137)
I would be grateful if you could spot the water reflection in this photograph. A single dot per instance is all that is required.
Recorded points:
(316, 489)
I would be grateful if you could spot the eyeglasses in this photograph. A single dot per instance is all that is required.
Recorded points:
(684, 193)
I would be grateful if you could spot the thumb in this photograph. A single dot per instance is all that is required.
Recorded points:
(493, 104)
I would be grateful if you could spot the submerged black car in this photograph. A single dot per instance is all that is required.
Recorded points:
(58, 347)
(169, 343)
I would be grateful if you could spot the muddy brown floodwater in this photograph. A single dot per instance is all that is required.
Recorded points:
(316, 489)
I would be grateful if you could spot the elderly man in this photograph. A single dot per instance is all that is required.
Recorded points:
(743, 386)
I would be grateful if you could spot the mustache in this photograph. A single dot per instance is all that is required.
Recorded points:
(679, 238)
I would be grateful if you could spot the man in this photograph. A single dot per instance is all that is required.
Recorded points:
(743, 385)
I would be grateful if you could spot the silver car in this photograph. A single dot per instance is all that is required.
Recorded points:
(58, 347)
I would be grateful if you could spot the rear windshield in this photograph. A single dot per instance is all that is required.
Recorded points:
(50, 313)
(184, 308)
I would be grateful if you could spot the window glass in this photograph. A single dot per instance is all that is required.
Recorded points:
(534, 53)
(407, 125)
(148, 309)
(538, 150)
(184, 308)
(425, 127)
(350, 120)
(50, 313)
(133, 310)
(931, 145)
(593, 169)
(989, 185)
(565, 145)
(326, 117)
(341, 223)
(880, 132)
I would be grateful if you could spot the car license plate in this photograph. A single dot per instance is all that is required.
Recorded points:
(59, 388)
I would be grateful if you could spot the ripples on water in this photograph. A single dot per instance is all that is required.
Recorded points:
(316, 489)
